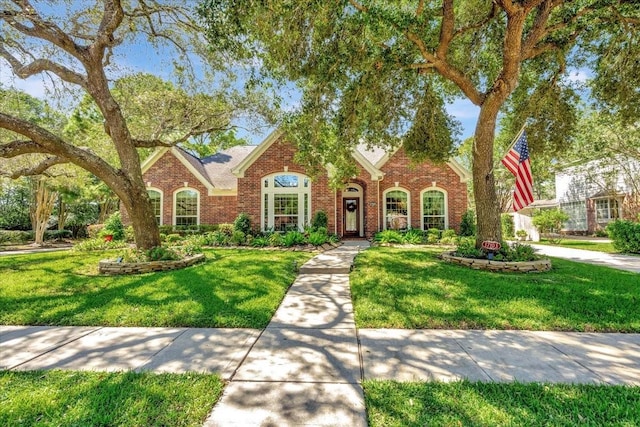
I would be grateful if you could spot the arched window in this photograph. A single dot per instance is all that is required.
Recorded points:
(286, 201)
(156, 203)
(434, 209)
(186, 207)
(396, 209)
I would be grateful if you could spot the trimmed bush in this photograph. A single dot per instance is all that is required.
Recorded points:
(242, 223)
(549, 222)
(468, 224)
(113, 226)
(15, 236)
(625, 235)
(320, 220)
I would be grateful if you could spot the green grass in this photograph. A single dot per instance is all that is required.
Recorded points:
(606, 247)
(512, 404)
(233, 288)
(411, 288)
(59, 398)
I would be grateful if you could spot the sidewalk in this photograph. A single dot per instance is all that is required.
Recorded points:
(307, 366)
(620, 262)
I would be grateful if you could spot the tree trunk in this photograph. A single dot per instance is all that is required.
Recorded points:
(44, 201)
(143, 219)
(62, 214)
(484, 189)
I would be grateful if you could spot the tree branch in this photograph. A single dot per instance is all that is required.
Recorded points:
(446, 29)
(18, 148)
(40, 65)
(445, 69)
(39, 169)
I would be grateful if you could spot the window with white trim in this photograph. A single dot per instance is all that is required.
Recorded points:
(186, 207)
(396, 209)
(434, 209)
(577, 212)
(285, 201)
(155, 197)
(607, 210)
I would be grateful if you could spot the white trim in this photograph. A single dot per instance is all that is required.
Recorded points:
(173, 222)
(271, 190)
(242, 167)
(360, 196)
(153, 158)
(446, 205)
(177, 153)
(157, 190)
(384, 205)
(376, 174)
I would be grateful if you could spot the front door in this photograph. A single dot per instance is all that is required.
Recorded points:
(351, 218)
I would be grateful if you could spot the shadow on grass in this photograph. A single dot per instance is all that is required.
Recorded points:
(231, 289)
(74, 398)
(411, 288)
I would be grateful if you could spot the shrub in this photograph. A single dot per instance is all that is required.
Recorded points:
(319, 220)
(413, 237)
(238, 237)
(161, 253)
(165, 229)
(94, 230)
(275, 239)
(625, 235)
(113, 226)
(216, 238)
(191, 246)
(449, 237)
(508, 227)
(293, 238)
(98, 244)
(242, 223)
(260, 242)
(226, 229)
(15, 236)
(317, 238)
(172, 238)
(549, 221)
(129, 235)
(57, 234)
(468, 224)
(389, 236)
(333, 238)
(467, 248)
(433, 235)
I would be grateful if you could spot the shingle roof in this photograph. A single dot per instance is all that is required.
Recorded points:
(217, 168)
(373, 154)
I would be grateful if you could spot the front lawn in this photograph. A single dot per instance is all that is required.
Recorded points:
(411, 288)
(233, 288)
(606, 247)
(59, 398)
(506, 404)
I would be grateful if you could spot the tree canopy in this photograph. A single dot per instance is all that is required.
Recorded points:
(380, 72)
(86, 46)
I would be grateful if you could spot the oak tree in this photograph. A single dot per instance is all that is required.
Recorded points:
(381, 71)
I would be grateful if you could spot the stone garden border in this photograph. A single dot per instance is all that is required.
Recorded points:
(111, 267)
(537, 266)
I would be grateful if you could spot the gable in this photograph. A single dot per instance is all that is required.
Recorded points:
(188, 161)
(452, 164)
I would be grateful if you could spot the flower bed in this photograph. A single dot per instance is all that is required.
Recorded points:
(540, 265)
(114, 267)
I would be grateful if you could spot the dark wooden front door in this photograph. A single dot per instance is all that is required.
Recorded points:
(351, 217)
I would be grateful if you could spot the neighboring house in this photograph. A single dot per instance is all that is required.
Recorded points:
(265, 182)
(593, 194)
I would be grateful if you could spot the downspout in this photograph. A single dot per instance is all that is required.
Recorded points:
(335, 212)
(379, 206)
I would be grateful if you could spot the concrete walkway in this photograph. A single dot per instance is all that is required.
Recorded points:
(306, 367)
(620, 262)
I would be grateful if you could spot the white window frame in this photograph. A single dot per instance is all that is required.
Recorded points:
(157, 190)
(175, 200)
(608, 218)
(384, 205)
(446, 205)
(270, 191)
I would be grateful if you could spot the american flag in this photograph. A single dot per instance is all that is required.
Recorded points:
(517, 161)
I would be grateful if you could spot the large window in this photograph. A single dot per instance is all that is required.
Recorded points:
(285, 202)
(186, 207)
(607, 210)
(156, 204)
(434, 209)
(396, 209)
(577, 212)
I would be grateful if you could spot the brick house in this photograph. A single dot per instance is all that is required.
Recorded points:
(265, 182)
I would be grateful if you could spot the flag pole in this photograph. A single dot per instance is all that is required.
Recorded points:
(517, 136)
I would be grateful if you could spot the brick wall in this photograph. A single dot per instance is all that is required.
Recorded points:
(416, 178)
(168, 174)
(275, 159)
